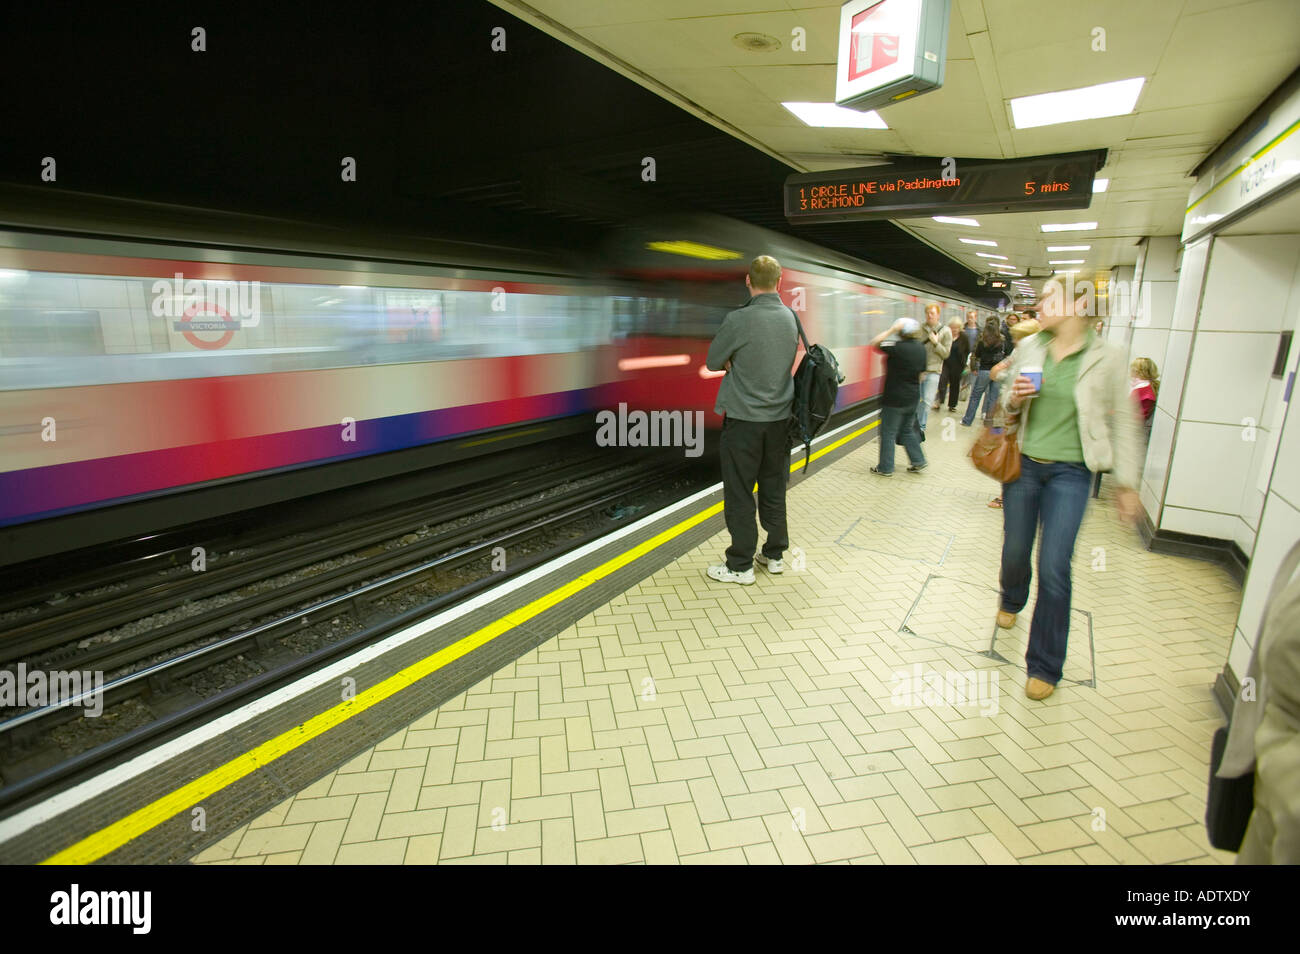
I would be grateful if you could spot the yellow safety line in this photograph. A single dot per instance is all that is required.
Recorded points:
(96, 846)
(839, 443)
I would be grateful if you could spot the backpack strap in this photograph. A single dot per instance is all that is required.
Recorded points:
(799, 325)
(807, 445)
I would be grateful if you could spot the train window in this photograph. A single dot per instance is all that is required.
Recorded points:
(32, 332)
(841, 308)
(862, 322)
(62, 329)
(877, 313)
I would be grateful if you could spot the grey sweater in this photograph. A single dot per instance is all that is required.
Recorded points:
(760, 341)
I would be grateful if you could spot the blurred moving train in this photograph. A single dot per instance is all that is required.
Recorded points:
(151, 353)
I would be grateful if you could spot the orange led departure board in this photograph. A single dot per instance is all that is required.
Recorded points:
(918, 187)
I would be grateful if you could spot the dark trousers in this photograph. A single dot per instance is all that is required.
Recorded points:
(949, 384)
(893, 422)
(1052, 495)
(753, 451)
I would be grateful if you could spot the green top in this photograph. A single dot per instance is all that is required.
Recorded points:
(1053, 427)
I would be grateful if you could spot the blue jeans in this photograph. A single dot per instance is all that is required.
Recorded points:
(1055, 495)
(929, 392)
(893, 421)
(982, 386)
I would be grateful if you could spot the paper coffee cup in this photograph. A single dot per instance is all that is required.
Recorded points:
(1035, 374)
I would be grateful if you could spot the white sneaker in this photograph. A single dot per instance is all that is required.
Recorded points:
(720, 573)
(772, 566)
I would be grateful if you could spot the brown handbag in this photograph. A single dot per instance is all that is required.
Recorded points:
(997, 453)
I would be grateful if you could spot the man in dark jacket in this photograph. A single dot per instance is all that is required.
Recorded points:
(756, 346)
(953, 366)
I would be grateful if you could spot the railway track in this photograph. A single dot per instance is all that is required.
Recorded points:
(140, 588)
(181, 647)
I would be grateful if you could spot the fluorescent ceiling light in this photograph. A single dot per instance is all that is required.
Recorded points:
(950, 220)
(1065, 261)
(830, 115)
(990, 255)
(1100, 185)
(1075, 105)
(1069, 227)
(988, 242)
(1068, 248)
(1065, 271)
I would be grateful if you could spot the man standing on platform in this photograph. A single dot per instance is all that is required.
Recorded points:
(756, 346)
(938, 342)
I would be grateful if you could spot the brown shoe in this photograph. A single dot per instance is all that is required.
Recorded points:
(1006, 620)
(1037, 689)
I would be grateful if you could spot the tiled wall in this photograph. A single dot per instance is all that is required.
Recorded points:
(1275, 463)
(1231, 407)
(1163, 332)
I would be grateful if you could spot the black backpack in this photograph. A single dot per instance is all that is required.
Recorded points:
(816, 382)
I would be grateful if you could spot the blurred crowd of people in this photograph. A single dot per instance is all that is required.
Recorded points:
(1091, 408)
(1069, 405)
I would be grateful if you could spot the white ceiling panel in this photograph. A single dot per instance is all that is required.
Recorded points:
(576, 14)
(718, 33)
(958, 106)
(934, 140)
(1194, 121)
(699, 84)
(791, 84)
(802, 139)
(1068, 137)
(653, 46)
(1208, 63)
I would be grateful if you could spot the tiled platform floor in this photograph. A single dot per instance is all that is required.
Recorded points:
(695, 722)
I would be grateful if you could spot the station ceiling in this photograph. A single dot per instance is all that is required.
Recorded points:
(1206, 64)
(540, 144)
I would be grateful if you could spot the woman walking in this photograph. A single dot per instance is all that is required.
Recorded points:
(1075, 416)
(989, 350)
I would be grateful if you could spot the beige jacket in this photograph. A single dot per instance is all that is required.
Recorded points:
(1264, 736)
(935, 356)
(1108, 423)
(1273, 835)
